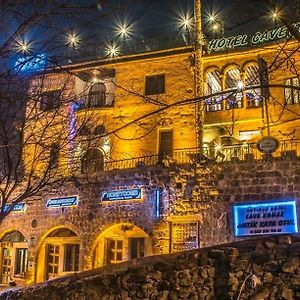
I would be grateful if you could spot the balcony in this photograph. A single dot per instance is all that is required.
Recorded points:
(225, 154)
(104, 102)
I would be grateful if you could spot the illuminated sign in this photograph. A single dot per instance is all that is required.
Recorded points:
(129, 194)
(31, 63)
(62, 202)
(265, 218)
(17, 207)
(245, 40)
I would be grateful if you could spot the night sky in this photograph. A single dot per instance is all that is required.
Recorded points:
(97, 25)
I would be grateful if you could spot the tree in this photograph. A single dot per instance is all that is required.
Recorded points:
(37, 123)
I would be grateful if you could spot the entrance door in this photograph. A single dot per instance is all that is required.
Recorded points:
(137, 247)
(6, 266)
(165, 144)
(52, 261)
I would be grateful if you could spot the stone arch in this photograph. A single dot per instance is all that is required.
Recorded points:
(230, 66)
(210, 69)
(97, 95)
(92, 161)
(120, 242)
(249, 63)
(232, 79)
(11, 229)
(251, 78)
(13, 256)
(100, 129)
(58, 253)
(212, 85)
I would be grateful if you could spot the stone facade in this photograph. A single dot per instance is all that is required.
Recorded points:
(195, 209)
(139, 134)
(259, 269)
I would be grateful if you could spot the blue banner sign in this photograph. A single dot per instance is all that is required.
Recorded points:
(62, 202)
(17, 207)
(129, 194)
(265, 218)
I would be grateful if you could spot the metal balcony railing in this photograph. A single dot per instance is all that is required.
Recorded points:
(217, 154)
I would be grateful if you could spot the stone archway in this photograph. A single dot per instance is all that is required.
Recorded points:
(58, 254)
(13, 257)
(120, 242)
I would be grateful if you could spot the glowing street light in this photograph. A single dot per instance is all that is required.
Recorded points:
(112, 50)
(73, 39)
(215, 27)
(23, 46)
(211, 18)
(123, 30)
(240, 85)
(185, 21)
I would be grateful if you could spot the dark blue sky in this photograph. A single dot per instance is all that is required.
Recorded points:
(154, 20)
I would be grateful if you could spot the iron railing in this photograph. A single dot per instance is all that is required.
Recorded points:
(216, 154)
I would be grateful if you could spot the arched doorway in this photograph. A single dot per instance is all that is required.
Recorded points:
(13, 257)
(121, 242)
(59, 254)
(92, 161)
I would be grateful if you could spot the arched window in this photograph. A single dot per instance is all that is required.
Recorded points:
(97, 95)
(92, 161)
(13, 237)
(62, 232)
(100, 129)
(233, 80)
(213, 85)
(253, 95)
(84, 130)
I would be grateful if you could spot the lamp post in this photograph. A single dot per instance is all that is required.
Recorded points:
(199, 104)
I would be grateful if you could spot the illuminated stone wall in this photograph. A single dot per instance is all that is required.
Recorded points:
(265, 268)
(195, 208)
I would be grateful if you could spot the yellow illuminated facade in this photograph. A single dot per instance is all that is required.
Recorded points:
(118, 121)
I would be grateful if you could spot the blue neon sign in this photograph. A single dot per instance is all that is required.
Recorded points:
(130, 194)
(62, 202)
(28, 64)
(265, 218)
(17, 207)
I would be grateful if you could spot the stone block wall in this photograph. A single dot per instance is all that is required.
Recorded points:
(197, 194)
(257, 269)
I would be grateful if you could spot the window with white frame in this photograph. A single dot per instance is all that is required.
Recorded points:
(213, 85)
(233, 80)
(253, 94)
(292, 92)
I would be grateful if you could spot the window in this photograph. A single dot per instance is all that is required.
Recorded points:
(71, 258)
(292, 95)
(155, 84)
(137, 247)
(165, 144)
(97, 95)
(114, 251)
(54, 155)
(92, 161)
(50, 100)
(21, 261)
(6, 265)
(53, 261)
(100, 129)
(84, 131)
(253, 95)
(232, 80)
(213, 85)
